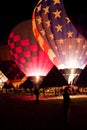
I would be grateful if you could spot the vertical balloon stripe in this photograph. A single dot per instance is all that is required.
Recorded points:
(26, 52)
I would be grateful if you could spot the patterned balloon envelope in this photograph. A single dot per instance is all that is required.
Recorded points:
(57, 36)
(26, 52)
(77, 14)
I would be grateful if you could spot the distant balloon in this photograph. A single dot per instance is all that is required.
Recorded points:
(57, 36)
(26, 52)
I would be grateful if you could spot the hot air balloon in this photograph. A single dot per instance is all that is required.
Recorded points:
(57, 36)
(27, 54)
(77, 14)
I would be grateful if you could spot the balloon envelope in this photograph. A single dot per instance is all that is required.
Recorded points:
(77, 14)
(26, 52)
(11, 70)
(57, 36)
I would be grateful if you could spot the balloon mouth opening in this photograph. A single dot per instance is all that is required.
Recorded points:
(71, 74)
(37, 80)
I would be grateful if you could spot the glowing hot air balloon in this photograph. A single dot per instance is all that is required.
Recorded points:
(57, 36)
(27, 54)
(77, 14)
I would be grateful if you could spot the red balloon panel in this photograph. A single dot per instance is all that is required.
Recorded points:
(26, 52)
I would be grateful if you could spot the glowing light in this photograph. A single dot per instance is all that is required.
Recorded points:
(71, 76)
(37, 79)
(67, 48)
(26, 52)
(70, 63)
(3, 79)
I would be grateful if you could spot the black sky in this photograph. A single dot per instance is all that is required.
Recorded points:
(14, 12)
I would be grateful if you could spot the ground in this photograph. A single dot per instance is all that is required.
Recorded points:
(19, 112)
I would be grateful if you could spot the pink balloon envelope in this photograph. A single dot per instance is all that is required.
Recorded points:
(26, 52)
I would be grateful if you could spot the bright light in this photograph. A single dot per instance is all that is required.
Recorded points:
(61, 66)
(26, 52)
(70, 79)
(72, 63)
(3, 79)
(65, 45)
(37, 79)
(71, 73)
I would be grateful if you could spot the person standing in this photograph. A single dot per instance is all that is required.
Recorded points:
(36, 92)
(66, 101)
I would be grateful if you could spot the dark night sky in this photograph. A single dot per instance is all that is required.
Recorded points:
(14, 12)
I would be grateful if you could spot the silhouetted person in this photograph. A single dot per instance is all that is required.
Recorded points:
(36, 92)
(66, 100)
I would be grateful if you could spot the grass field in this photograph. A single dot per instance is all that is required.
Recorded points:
(19, 114)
